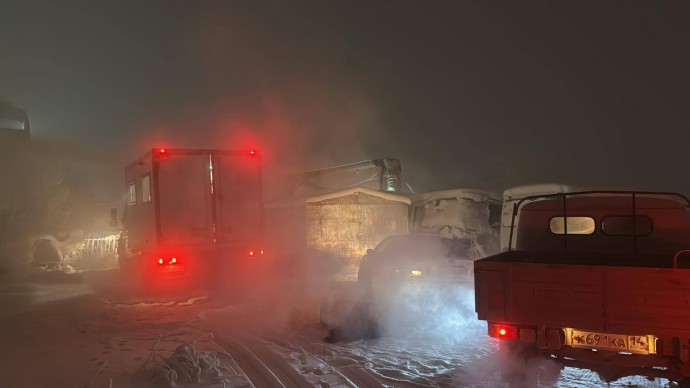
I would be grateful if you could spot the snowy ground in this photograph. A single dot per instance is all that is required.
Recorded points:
(86, 330)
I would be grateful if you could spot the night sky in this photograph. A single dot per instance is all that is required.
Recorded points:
(481, 94)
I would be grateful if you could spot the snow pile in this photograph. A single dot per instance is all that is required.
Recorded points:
(462, 217)
(465, 216)
(186, 367)
(73, 255)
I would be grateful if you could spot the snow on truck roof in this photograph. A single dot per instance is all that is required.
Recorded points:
(476, 195)
(536, 189)
(611, 200)
(364, 190)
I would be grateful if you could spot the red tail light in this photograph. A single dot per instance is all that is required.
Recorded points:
(253, 252)
(252, 152)
(503, 331)
(162, 152)
(167, 260)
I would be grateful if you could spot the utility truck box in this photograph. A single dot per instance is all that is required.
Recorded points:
(192, 211)
(599, 280)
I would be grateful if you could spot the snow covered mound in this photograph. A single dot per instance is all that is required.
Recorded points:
(188, 367)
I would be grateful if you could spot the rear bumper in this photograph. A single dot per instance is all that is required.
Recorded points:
(171, 271)
(665, 359)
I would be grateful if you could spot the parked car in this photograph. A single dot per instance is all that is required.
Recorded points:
(424, 262)
(419, 258)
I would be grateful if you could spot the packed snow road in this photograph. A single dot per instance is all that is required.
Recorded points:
(88, 331)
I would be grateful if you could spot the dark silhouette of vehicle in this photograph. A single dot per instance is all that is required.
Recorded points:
(421, 258)
(399, 264)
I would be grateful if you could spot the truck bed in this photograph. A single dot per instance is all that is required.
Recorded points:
(605, 298)
(597, 279)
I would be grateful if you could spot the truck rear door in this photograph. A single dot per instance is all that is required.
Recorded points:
(545, 294)
(557, 295)
(237, 185)
(184, 197)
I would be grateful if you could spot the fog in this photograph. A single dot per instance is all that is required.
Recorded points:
(463, 94)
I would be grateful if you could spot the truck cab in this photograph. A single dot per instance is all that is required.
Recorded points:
(597, 280)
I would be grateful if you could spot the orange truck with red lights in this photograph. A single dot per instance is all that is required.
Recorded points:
(192, 211)
(596, 280)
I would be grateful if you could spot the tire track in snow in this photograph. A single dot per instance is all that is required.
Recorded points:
(359, 376)
(258, 373)
(261, 365)
(330, 375)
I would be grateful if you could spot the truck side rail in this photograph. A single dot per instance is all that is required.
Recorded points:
(585, 259)
(678, 254)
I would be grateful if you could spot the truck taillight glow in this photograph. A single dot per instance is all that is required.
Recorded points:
(503, 331)
(252, 152)
(167, 260)
(253, 253)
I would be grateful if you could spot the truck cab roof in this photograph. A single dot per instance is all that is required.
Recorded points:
(646, 224)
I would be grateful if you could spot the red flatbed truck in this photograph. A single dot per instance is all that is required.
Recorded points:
(596, 280)
(192, 212)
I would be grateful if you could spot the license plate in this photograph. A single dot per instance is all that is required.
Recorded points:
(638, 344)
(172, 268)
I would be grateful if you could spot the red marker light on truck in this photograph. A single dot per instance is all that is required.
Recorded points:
(252, 152)
(503, 331)
(173, 260)
(160, 261)
(251, 253)
(162, 152)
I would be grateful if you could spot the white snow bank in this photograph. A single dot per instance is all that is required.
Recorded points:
(190, 367)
